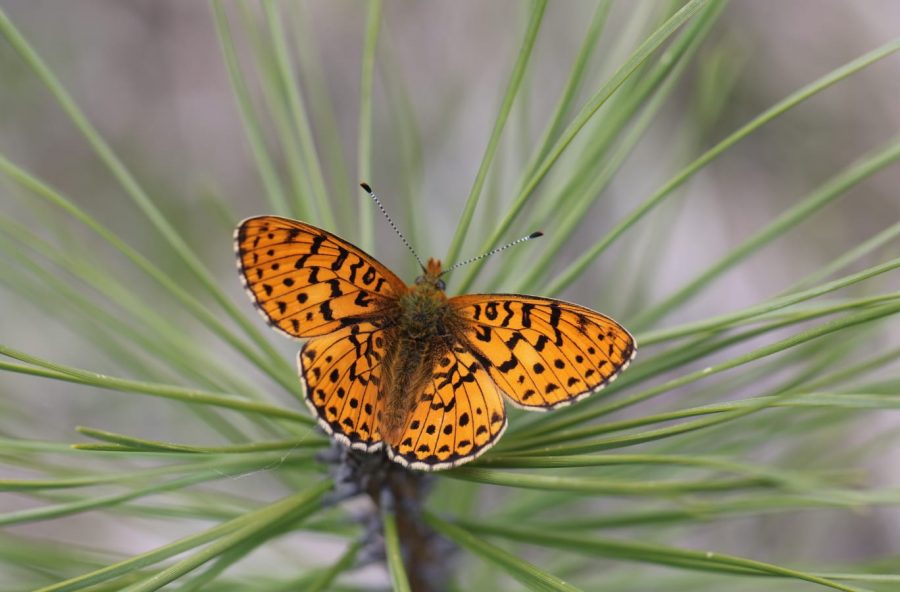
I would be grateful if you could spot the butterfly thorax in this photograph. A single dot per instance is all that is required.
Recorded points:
(404, 366)
(421, 330)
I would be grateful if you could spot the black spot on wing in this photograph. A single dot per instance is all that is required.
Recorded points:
(507, 307)
(340, 259)
(335, 285)
(526, 314)
(490, 311)
(353, 269)
(325, 310)
(508, 365)
(514, 340)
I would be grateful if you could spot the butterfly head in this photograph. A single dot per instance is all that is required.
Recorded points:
(431, 280)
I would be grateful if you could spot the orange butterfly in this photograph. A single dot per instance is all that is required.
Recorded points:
(406, 366)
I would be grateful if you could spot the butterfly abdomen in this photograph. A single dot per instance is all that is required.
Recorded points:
(423, 324)
(406, 372)
(388, 363)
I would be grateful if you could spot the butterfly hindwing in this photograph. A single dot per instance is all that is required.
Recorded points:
(342, 376)
(543, 353)
(307, 281)
(407, 369)
(459, 415)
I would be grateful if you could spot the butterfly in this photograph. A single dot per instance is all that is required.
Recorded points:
(406, 367)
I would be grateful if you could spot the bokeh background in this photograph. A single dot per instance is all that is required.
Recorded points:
(149, 74)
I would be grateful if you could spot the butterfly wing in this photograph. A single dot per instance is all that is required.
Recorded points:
(308, 282)
(341, 373)
(543, 353)
(458, 417)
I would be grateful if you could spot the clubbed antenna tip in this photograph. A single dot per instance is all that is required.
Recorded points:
(494, 251)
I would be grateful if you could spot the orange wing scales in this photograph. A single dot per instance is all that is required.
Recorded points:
(307, 282)
(541, 353)
(459, 416)
(342, 374)
(544, 353)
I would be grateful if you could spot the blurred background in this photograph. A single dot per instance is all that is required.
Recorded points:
(149, 75)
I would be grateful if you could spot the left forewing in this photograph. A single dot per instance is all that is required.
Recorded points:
(341, 373)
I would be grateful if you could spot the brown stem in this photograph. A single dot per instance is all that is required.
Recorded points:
(425, 553)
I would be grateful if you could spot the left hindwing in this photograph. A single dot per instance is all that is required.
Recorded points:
(543, 353)
(341, 373)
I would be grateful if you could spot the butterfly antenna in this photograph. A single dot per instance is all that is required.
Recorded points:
(493, 251)
(377, 201)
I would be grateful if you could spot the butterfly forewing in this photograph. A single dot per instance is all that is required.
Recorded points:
(543, 353)
(342, 376)
(459, 415)
(307, 281)
(367, 371)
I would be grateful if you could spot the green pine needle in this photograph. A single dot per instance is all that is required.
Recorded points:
(769, 417)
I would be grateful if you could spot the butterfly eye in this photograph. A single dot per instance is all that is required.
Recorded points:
(441, 285)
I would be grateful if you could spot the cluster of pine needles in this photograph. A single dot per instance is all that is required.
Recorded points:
(723, 459)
